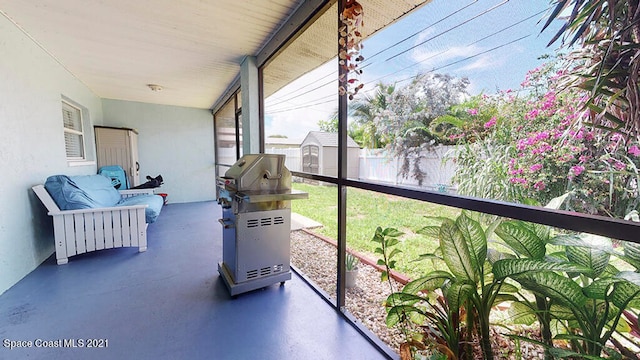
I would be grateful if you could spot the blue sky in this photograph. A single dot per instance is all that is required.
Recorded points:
(492, 42)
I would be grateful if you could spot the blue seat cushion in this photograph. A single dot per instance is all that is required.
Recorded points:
(152, 211)
(82, 192)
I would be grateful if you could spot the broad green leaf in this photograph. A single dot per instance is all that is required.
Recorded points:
(520, 313)
(500, 298)
(399, 313)
(475, 237)
(556, 257)
(447, 119)
(393, 253)
(456, 252)
(521, 239)
(403, 298)
(557, 287)
(557, 202)
(389, 242)
(594, 256)
(430, 231)
(457, 293)
(632, 252)
(624, 292)
(542, 232)
(495, 255)
(508, 288)
(562, 312)
(584, 240)
(600, 288)
(514, 267)
(431, 281)
(391, 232)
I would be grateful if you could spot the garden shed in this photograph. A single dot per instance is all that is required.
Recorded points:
(319, 151)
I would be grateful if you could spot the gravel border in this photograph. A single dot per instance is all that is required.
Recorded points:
(317, 260)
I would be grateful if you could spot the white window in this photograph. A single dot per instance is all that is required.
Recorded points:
(73, 132)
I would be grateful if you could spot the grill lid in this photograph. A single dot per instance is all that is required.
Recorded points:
(258, 178)
(258, 172)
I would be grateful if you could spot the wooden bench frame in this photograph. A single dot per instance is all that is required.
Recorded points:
(85, 230)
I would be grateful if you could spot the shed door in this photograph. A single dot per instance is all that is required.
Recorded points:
(310, 159)
(118, 147)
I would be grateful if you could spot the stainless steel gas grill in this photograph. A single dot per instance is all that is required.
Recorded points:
(255, 195)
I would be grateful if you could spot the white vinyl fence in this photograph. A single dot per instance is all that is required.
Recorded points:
(377, 165)
(293, 161)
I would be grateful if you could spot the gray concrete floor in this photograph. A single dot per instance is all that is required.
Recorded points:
(168, 303)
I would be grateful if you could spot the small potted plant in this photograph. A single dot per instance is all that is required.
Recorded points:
(351, 275)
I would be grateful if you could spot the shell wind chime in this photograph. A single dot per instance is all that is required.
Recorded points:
(350, 43)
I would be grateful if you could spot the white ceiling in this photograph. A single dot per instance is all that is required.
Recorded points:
(192, 48)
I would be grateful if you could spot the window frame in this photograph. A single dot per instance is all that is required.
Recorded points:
(74, 109)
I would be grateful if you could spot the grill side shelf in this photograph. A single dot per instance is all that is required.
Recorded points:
(262, 196)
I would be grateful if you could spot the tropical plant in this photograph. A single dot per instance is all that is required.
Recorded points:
(607, 64)
(528, 241)
(363, 110)
(577, 288)
(469, 291)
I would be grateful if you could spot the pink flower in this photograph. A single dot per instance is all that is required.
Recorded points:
(539, 186)
(634, 151)
(535, 167)
(490, 123)
(473, 111)
(516, 180)
(532, 114)
(619, 165)
(575, 171)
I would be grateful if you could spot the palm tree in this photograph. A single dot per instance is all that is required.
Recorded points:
(364, 110)
(607, 64)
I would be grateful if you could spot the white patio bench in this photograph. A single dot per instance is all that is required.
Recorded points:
(85, 230)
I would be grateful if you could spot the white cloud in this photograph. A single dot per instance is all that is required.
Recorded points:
(482, 62)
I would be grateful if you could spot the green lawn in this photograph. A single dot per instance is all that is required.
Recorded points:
(367, 210)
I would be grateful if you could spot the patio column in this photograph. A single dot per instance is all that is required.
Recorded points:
(249, 87)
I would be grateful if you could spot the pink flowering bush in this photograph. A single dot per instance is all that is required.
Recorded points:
(526, 146)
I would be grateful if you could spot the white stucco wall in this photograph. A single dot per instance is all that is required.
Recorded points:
(32, 147)
(176, 142)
